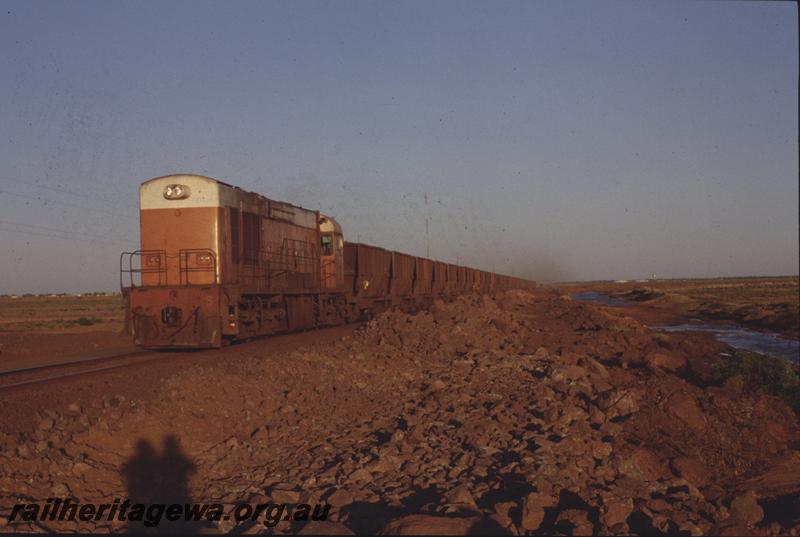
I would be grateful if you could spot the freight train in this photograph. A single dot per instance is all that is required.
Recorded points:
(219, 264)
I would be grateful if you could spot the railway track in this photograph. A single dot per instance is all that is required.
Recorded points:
(72, 368)
(26, 376)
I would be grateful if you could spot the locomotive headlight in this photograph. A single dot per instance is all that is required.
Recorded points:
(176, 192)
(152, 260)
(204, 259)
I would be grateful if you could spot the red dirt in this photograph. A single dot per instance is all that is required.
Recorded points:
(517, 414)
(18, 350)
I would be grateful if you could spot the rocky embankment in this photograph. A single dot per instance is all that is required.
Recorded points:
(521, 413)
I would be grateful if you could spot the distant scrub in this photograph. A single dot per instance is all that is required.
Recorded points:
(753, 372)
(643, 295)
(88, 321)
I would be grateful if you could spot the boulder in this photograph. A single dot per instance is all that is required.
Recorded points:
(80, 468)
(568, 372)
(618, 403)
(340, 498)
(600, 450)
(684, 406)
(502, 514)
(731, 527)
(578, 519)
(461, 497)
(60, 490)
(616, 510)
(430, 525)
(645, 464)
(285, 496)
(666, 362)
(324, 527)
(690, 528)
(691, 470)
(46, 424)
(746, 509)
(533, 509)
(360, 475)
(782, 478)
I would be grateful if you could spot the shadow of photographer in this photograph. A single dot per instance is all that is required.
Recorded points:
(155, 480)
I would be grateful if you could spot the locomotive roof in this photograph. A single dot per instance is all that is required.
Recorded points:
(178, 176)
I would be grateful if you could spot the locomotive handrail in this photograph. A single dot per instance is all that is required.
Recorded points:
(185, 269)
(160, 268)
(292, 258)
(325, 276)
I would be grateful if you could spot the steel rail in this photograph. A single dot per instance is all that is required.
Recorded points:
(73, 362)
(144, 356)
(73, 374)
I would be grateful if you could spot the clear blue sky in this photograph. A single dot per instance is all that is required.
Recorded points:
(555, 140)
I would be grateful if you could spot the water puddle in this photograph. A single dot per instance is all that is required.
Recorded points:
(600, 298)
(742, 338)
(735, 336)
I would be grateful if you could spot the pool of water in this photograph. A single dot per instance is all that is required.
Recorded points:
(735, 336)
(600, 298)
(742, 338)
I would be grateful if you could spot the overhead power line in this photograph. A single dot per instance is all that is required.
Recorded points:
(31, 229)
(45, 201)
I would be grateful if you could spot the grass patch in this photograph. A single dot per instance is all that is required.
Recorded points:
(643, 295)
(49, 313)
(664, 340)
(753, 372)
(88, 321)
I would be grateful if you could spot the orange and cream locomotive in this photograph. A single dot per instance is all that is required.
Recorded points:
(218, 264)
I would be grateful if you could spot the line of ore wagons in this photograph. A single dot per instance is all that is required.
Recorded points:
(376, 273)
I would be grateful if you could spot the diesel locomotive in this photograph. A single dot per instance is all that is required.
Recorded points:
(217, 263)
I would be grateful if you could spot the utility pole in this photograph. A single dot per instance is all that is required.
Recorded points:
(427, 234)
(427, 241)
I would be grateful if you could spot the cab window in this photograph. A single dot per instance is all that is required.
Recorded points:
(327, 245)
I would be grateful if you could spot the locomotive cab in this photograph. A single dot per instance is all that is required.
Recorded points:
(331, 252)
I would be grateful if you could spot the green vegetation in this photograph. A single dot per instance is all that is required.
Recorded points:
(753, 372)
(88, 321)
(642, 295)
(664, 339)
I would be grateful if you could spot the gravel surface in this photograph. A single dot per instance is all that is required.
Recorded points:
(517, 413)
